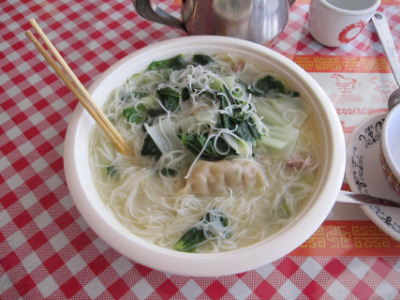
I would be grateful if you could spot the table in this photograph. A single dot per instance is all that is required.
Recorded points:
(47, 249)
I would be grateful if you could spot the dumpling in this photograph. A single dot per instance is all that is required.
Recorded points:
(218, 178)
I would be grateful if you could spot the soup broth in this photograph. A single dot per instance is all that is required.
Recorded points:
(223, 154)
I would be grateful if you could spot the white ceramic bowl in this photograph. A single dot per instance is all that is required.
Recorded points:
(297, 231)
(390, 148)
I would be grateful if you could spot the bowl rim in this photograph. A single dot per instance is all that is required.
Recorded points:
(386, 149)
(352, 12)
(224, 263)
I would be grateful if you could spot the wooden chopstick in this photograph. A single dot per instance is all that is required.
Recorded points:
(76, 87)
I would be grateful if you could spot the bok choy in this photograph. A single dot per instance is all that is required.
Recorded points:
(222, 115)
(213, 225)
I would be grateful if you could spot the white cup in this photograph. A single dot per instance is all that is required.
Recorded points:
(336, 22)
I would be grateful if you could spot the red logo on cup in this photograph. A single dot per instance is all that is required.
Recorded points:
(350, 32)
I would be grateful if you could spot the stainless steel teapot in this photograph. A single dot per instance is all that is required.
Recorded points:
(260, 21)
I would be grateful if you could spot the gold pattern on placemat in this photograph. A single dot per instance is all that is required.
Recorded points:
(349, 238)
(320, 63)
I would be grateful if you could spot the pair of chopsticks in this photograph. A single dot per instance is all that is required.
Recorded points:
(73, 83)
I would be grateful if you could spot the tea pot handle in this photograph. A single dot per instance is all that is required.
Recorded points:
(145, 10)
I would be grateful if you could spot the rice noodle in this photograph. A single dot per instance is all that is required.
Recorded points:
(146, 201)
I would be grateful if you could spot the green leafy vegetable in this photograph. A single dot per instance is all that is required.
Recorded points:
(135, 115)
(202, 59)
(224, 121)
(150, 148)
(111, 171)
(267, 84)
(169, 98)
(245, 127)
(270, 84)
(196, 142)
(233, 129)
(154, 112)
(286, 210)
(175, 63)
(245, 130)
(139, 95)
(198, 234)
(185, 94)
(169, 172)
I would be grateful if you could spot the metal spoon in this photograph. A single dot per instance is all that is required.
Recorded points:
(383, 30)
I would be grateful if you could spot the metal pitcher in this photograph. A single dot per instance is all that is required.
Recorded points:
(260, 21)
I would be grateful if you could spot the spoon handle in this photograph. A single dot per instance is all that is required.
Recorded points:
(349, 197)
(383, 30)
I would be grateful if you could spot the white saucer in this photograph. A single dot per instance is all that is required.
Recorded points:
(364, 174)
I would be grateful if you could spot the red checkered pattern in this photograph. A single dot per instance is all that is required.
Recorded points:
(46, 248)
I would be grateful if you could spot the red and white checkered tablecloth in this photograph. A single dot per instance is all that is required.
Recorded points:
(47, 251)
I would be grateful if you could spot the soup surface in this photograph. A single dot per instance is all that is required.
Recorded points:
(223, 153)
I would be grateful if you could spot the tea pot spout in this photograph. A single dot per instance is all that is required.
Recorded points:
(146, 11)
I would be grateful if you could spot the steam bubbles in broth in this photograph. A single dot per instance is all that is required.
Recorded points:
(223, 153)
